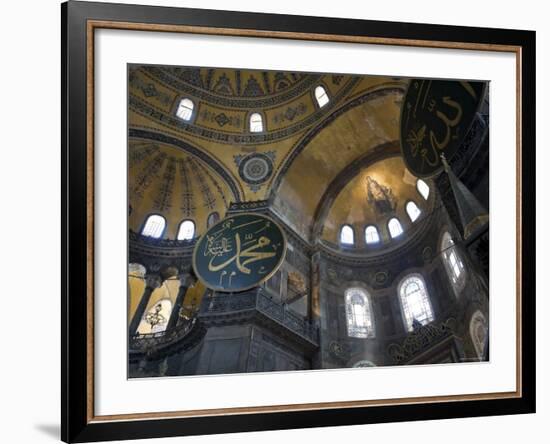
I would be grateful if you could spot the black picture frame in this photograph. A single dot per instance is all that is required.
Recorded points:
(77, 421)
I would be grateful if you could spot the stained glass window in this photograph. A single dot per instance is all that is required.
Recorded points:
(256, 123)
(359, 314)
(412, 210)
(415, 301)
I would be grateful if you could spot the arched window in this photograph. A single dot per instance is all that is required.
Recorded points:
(186, 230)
(453, 263)
(346, 235)
(371, 235)
(423, 188)
(154, 226)
(185, 109)
(394, 227)
(412, 210)
(415, 301)
(359, 314)
(321, 96)
(213, 219)
(256, 123)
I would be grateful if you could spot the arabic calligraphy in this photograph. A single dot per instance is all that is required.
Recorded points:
(435, 117)
(239, 252)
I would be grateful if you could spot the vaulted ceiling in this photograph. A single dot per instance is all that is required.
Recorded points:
(178, 185)
(302, 160)
(352, 204)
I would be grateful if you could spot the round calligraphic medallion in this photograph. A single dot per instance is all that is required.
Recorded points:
(435, 117)
(239, 252)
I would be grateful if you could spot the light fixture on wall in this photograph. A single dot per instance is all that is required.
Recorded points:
(155, 318)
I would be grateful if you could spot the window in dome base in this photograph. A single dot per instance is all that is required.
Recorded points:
(412, 210)
(371, 235)
(185, 109)
(186, 230)
(347, 235)
(359, 314)
(394, 227)
(256, 123)
(154, 226)
(321, 96)
(415, 301)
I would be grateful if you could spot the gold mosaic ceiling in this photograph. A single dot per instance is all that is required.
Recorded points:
(214, 159)
(392, 183)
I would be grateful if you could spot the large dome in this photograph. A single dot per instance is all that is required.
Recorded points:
(309, 122)
(226, 98)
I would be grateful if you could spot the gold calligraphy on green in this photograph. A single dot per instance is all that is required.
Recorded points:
(239, 252)
(435, 117)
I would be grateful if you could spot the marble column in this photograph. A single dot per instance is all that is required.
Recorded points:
(186, 280)
(313, 303)
(152, 282)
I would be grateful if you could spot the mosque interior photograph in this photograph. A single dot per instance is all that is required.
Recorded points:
(285, 221)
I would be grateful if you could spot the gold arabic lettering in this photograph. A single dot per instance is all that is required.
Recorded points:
(449, 123)
(249, 253)
(416, 138)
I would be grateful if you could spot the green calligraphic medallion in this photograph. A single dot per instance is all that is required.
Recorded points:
(435, 117)
(239, 252)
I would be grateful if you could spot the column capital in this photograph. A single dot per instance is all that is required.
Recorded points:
(187, 279)
(136, 269)
(153, 281)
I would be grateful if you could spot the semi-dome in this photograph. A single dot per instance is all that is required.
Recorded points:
(380, 193)
(175, 185)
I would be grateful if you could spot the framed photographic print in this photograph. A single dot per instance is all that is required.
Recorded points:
(277, 221)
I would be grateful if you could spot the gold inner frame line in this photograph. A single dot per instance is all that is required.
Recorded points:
(92, 25)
